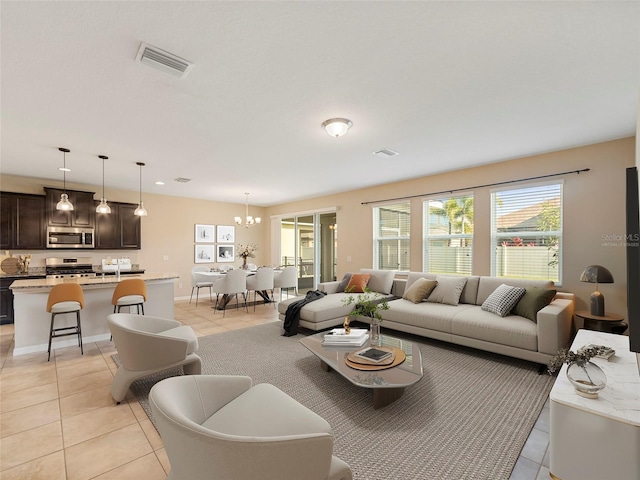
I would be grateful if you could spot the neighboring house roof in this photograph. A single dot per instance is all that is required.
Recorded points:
(525, 218)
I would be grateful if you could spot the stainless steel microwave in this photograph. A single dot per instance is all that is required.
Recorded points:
(70, 237)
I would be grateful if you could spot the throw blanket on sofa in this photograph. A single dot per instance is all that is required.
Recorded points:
(292, 315)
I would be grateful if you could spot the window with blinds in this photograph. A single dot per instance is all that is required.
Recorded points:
(447, 243)
(391, 237)
(526, 232)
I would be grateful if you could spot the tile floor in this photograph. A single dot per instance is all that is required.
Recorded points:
(58, 420)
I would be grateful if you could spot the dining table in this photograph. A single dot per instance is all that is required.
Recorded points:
(226, 298)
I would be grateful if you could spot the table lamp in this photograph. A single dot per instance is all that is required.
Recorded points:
(596, 274)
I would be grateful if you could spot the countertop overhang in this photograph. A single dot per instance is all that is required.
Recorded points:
(107, 280)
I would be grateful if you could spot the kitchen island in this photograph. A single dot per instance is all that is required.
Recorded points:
(32, 322)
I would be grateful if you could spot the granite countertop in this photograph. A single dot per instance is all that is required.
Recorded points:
(22, 275)
(108, 280)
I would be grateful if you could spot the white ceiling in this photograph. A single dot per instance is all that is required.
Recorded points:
(446, 84)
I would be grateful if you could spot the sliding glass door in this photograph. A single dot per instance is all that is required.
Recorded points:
(309, 243)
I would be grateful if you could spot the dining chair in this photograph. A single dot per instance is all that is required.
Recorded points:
(200, 281)
(262, 281)
(234, 282)
(65, 298)
(287, 278)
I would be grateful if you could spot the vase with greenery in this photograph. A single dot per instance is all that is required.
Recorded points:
(368, 304)
(586, 377)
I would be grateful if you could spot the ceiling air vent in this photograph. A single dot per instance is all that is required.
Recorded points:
(182, 180)
(385, 152)
(164, 61)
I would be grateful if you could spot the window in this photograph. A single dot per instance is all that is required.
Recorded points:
(448, 235)
(526, 229)
(391, 225)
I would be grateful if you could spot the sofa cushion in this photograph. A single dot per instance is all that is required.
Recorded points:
(381, 280)
(413, 276)
(326, 308)
(448, 290)
(432, 316)
(534, 300)
(469, 292)
(419, 290)
(503, 299)
(488, 284)
(512, 330)
(357, 283)
(344, 282)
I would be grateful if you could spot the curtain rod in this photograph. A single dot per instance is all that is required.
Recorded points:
(478, 186)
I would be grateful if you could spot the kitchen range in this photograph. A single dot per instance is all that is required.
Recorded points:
(69, 267)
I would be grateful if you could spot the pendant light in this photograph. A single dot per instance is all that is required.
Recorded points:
(140, 211)
(249, 221)
(104, 206)
(64, 203)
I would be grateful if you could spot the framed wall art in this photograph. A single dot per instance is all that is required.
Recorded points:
(204, 254)
(225, 253)
(205, 233)
(226, 234)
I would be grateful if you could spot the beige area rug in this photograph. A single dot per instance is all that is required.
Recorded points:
(468, 418)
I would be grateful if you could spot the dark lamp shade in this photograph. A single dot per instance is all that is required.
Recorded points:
(596, 274)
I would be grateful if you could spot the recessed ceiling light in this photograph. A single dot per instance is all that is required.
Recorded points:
(64, 169)
(159, 182)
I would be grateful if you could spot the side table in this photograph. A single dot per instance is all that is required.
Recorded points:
(609, 322)
(597, 438)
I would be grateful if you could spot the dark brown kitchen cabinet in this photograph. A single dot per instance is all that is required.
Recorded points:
(22, 221)
(6, 301)
(119, 229)
(82, 215)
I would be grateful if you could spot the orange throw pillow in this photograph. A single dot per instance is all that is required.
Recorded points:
(358, 283)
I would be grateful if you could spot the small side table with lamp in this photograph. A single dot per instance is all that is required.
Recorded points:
(596, 318)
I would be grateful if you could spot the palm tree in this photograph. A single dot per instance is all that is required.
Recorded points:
(459, 213)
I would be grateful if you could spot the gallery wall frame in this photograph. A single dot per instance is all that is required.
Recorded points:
(205, 233)
(225, 253)
(226, 234)
(204, 254)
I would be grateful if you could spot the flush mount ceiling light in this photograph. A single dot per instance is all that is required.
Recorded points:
(104, 206)
(140, 211)
(249, 221)
(64, 203)
(336, 127)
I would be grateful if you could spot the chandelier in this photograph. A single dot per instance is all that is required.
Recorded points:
(249, 221)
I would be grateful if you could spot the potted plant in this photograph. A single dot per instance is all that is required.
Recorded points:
(367, 304)
(586, 377)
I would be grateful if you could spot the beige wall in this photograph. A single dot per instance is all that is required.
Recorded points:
(593, 206)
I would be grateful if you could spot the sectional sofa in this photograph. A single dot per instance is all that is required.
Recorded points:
(464, 322)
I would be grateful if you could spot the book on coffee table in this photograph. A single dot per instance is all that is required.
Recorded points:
(373, 354)
(356, 338)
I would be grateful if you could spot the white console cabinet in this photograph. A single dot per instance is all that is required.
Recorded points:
(598, 438)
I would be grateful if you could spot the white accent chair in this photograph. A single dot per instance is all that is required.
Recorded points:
(148, 345)
(234, 282)
(221, 427)
(262, 281)
(288, 278)
(200, 281)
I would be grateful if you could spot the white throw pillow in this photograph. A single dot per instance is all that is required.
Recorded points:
(503, 299)
(448, 290)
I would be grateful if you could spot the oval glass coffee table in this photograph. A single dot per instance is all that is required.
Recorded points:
(388, 385)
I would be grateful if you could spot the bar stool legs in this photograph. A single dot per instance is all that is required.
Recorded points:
(53, 332)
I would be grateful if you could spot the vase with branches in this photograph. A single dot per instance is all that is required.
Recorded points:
(367, 304)
(586, 377)
(246, 251)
